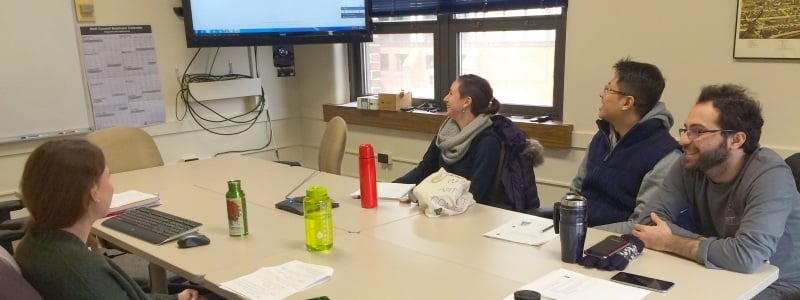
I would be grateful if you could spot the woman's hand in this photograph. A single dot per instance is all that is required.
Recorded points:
(190, 294)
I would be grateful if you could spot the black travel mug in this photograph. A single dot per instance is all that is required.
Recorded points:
(569, 222)
(527, 295)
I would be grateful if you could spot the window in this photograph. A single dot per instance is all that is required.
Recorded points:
(520, 52)
(384, 62)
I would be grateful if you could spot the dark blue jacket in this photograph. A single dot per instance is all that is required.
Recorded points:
(479, 165)
(613, 177)
(517, 177)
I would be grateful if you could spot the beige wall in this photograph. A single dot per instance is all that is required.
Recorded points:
(691, 41)
(181, 139)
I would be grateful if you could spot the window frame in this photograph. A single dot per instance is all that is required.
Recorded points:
(446, 29)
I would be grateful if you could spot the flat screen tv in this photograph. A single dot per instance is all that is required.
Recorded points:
(216, 23)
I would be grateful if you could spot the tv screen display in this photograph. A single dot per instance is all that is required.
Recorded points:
(215, 23)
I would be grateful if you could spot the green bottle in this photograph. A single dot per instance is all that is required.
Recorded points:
(237, 209)
(319, 219)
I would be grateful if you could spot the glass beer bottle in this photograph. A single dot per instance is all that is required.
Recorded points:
(318, 219)
(237, 209)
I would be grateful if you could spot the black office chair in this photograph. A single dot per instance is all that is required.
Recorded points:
(10, 229)
(794, 164)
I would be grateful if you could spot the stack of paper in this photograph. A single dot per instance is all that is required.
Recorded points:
(527, 230)
(129, 199)
(389, 190)
(279, 282)
(563, 284)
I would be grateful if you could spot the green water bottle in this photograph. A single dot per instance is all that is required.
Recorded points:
(319, 219)
(237, 209)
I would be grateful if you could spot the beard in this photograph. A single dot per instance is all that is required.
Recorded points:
(708, 160)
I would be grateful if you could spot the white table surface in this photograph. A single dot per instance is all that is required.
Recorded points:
(391, 252)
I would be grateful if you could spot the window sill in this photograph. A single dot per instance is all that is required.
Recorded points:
(552, 134)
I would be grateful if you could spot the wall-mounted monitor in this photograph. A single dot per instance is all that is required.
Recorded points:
(216, 23)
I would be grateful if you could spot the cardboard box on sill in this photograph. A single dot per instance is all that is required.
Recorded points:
(394, 101)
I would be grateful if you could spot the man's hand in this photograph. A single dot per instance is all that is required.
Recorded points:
(659, 237)
(656, 237)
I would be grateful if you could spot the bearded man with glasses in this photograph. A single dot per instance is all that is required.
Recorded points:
(744, 199)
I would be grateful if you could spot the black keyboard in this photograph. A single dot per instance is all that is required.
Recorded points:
(151, 225)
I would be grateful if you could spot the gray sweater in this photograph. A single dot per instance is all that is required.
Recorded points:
(751, 220)
(60, 266)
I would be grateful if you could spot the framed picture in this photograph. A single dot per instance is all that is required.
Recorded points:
(767, 29)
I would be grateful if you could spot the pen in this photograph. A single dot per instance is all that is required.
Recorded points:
(548, 227)
(67, 132)
(32, 136)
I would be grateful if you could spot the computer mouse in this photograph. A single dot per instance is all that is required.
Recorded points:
(193, 240)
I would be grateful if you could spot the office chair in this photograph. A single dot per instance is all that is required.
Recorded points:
(126, 148)
(10, 229)
(13, 285)
(331, 148)
(794, 163)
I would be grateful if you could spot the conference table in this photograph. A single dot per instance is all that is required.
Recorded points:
(391, 252)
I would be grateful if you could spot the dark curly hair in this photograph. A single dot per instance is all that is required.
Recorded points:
(738, 111)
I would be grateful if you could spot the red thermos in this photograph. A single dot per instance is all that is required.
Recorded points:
(366, 172)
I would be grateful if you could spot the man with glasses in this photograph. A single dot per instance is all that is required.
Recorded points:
(744, 199)
(631, 151)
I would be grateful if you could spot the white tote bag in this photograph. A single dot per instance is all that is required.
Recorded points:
(443, 194)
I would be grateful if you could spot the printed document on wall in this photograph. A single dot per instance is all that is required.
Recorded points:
(120, 66)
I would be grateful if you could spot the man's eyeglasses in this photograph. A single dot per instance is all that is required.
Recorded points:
(694, 133)
(607, 90)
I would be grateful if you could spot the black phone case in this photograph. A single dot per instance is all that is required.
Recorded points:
(607, 247)
(295, 205)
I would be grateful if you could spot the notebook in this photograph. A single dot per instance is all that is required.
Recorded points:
(121, 202)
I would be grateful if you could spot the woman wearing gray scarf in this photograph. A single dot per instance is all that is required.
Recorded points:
(465, 145)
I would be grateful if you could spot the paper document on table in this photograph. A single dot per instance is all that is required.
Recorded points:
(527, 230)
(562, 284)
(389, 190)
(280, 281)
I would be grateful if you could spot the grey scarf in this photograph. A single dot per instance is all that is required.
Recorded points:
(454, 142)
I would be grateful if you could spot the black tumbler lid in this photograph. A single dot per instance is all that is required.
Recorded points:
(526, 295)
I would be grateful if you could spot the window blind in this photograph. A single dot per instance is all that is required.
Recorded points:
(389, 8)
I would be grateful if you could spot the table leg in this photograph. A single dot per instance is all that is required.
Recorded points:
(158, 279)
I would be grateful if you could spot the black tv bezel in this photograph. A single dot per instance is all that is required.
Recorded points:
(267, 39)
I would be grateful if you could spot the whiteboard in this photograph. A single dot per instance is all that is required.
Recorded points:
(41, 81)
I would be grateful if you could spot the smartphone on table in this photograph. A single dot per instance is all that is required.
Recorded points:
(658, 285)
(607, 247)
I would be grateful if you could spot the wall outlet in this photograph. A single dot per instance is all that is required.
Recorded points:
(384, 158)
